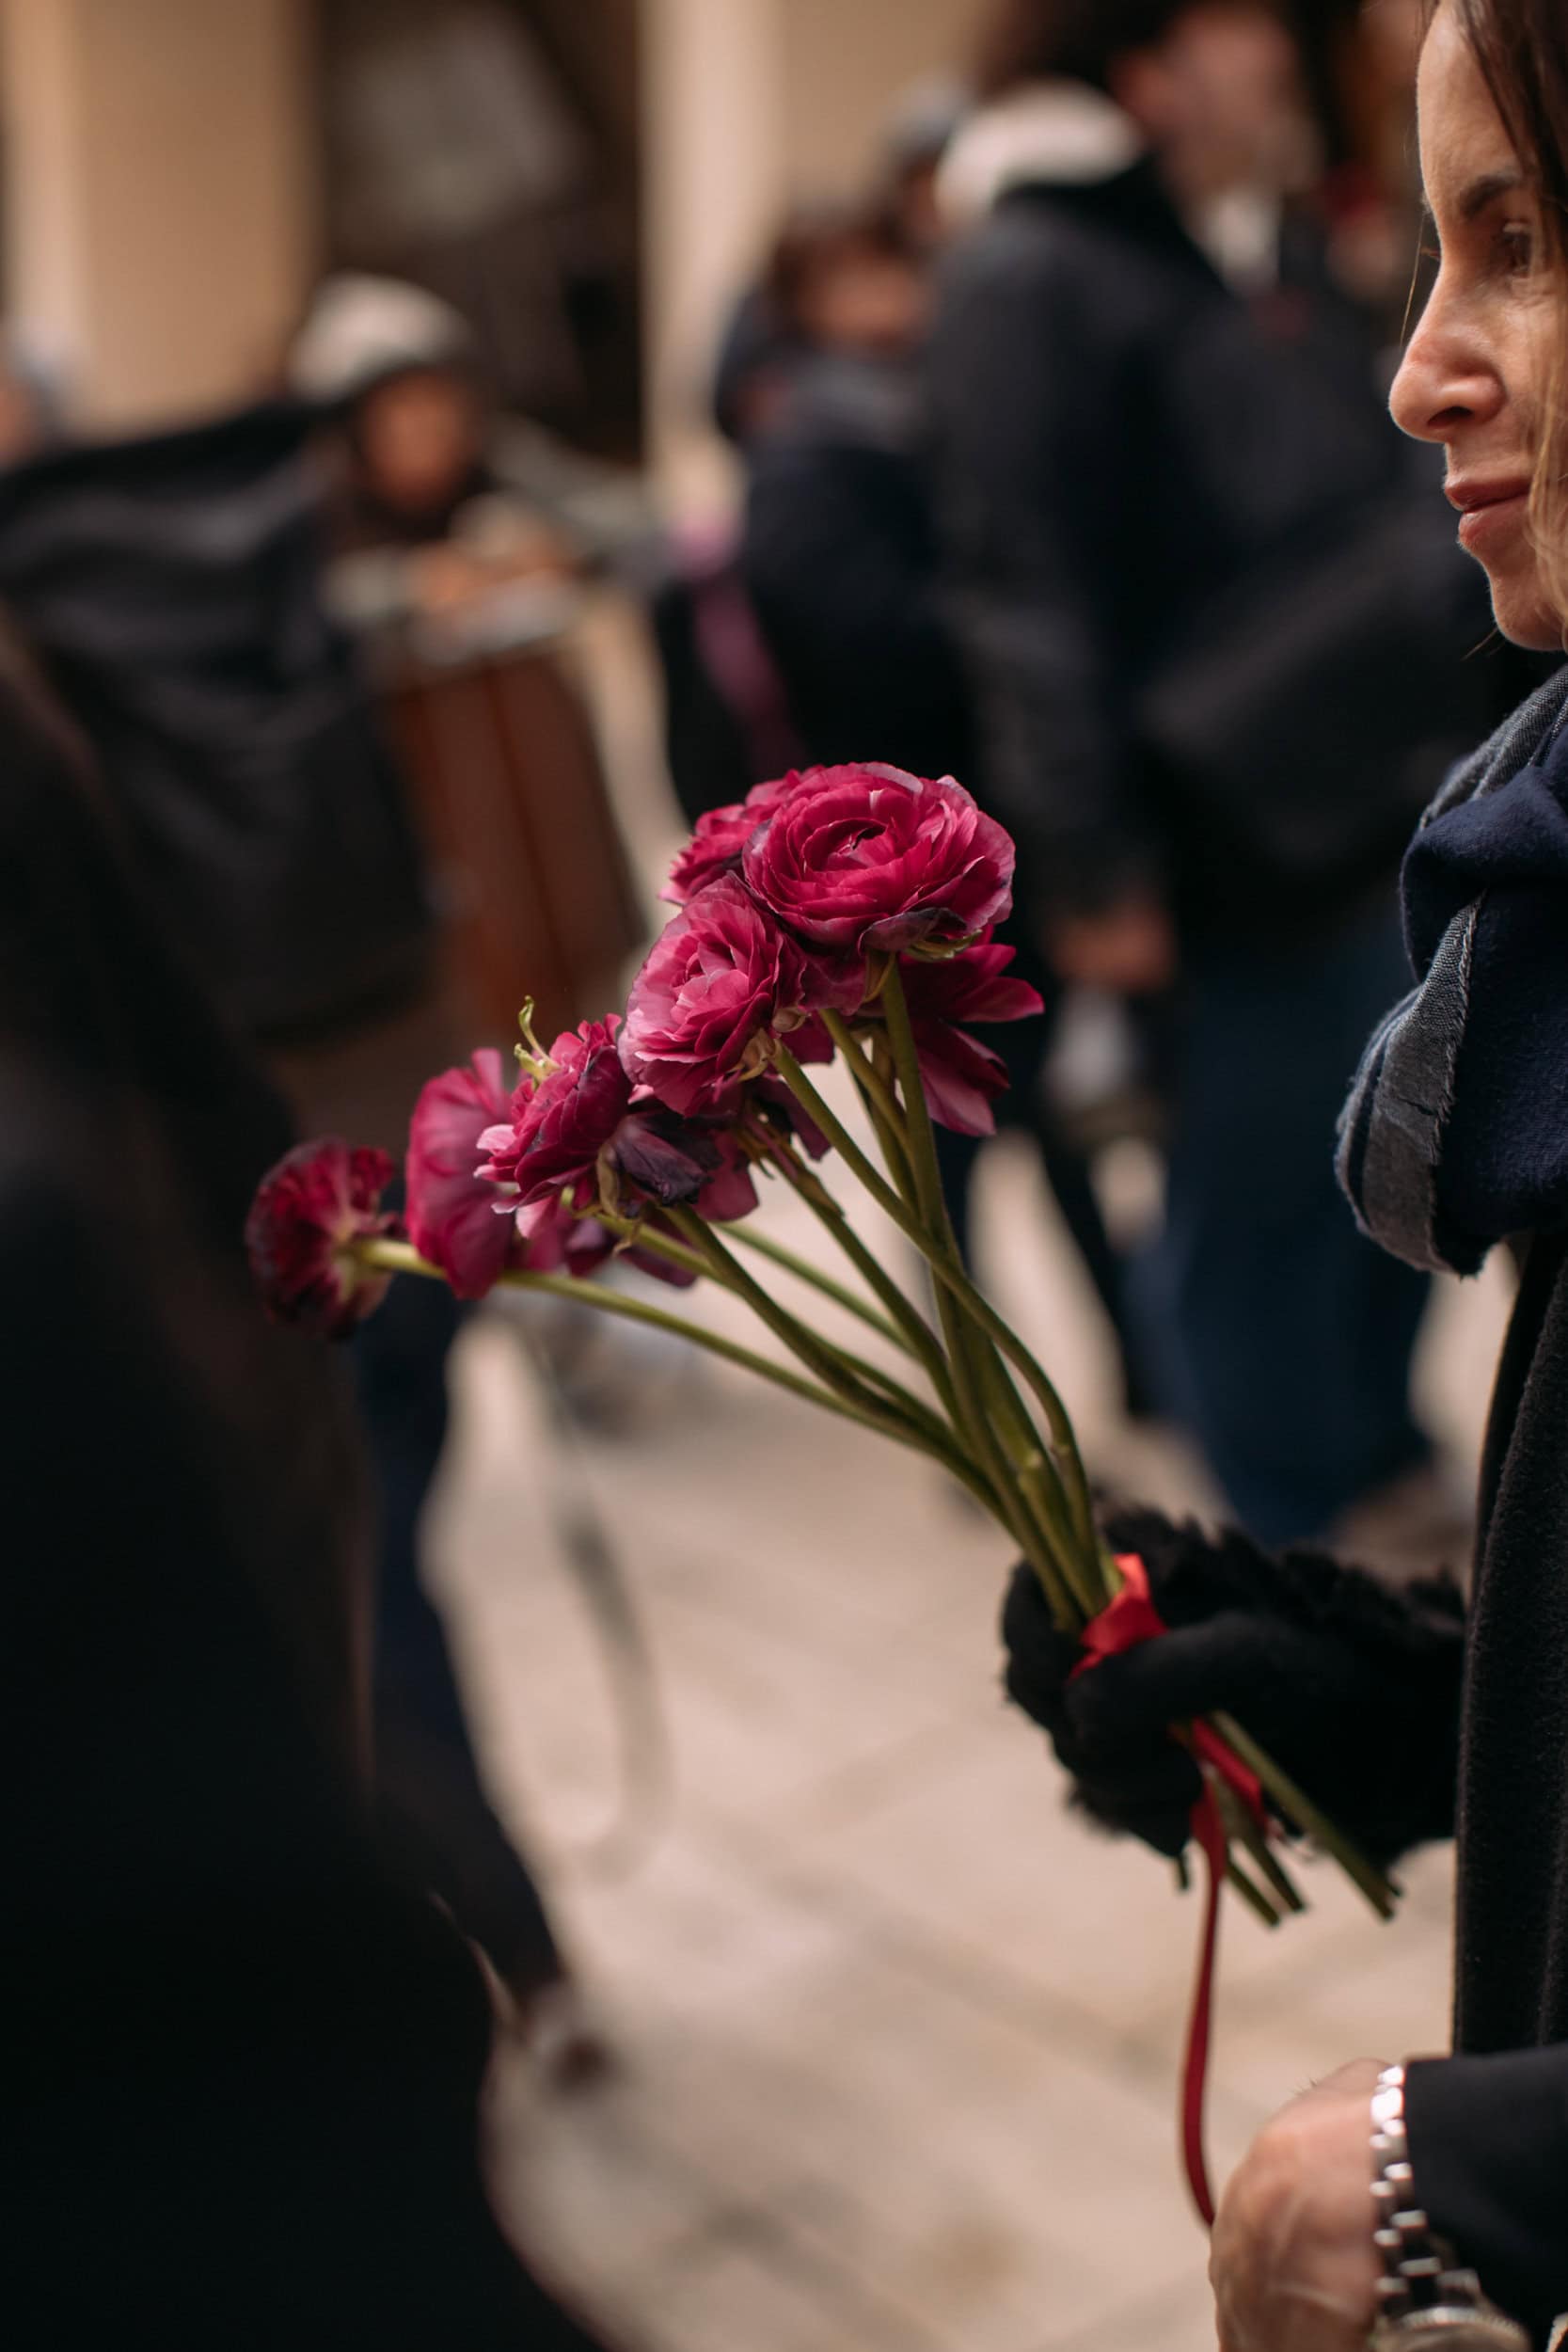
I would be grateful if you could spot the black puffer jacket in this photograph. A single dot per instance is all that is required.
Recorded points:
(1119, 439)
(842, 561)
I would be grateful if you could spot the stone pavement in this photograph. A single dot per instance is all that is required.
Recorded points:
(898, 2040)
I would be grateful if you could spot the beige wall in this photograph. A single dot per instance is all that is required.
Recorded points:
(160, 194)
(846, 61)
(749, 105)
(161, 187)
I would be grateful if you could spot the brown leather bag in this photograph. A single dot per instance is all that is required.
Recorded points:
(530, 874)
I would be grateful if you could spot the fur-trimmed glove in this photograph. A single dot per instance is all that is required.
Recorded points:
(1352, 1687)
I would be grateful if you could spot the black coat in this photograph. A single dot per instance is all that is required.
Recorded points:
(241, 2065)
(1489, 2133)
(1119, 441)
(842, 561)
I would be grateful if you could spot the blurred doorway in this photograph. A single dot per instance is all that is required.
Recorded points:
(489, 149)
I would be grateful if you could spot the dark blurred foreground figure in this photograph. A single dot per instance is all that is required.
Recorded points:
(172, 588)
(243, 2062)
(1219, 647)
(841, 558)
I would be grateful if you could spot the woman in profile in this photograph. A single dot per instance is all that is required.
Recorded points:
(1407, 1714)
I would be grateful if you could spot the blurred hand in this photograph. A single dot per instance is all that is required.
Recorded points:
(446, 577)
(1293, 2265)
(1130, 949)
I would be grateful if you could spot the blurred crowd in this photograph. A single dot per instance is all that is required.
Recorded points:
(1063, 468)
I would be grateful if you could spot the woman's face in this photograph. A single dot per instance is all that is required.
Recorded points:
(1479, 370)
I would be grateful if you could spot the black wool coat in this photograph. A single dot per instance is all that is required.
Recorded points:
(1489, 2127)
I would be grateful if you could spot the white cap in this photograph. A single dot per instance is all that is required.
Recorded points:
(362, 329)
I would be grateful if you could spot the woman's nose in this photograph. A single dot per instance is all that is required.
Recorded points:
(1445, 381)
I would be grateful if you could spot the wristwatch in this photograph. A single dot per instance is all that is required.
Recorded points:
(1427, 2302)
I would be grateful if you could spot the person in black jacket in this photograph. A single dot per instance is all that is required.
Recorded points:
(1145, 415)
(1405, 1715)
(841, 558)
(242, 2061)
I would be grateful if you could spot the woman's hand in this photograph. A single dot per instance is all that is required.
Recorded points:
(1293, 2265)
(1353, 1689)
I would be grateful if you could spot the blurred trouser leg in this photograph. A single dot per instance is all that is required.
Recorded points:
(1281, 1339)
(428, 1783)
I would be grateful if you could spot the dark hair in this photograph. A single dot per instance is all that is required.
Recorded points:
(819, 238)
(1522, 48)
(1032, 41)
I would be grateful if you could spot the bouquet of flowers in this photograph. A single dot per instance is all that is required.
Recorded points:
(846, 912)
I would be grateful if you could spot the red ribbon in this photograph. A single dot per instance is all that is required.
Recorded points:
(1130, 1620)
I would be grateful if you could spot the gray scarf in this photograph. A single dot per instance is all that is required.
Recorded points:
(1397, 1123)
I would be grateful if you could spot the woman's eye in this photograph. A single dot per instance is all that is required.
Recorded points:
(1517, 246)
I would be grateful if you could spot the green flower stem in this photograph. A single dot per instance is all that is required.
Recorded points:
(918, 1337)
(842, 1295)
(849, 1150)
(648, 1238)
(1243, 1829)
(1380, 1890)
(911, 1153)
(1250, 1833)
(675, 1253)
(972, 1420)
(966, 1360)
(923, 1150)
(657, 1245)
(1042, 1490)
(834, 1366)
(400, 1257)
(874, 1076)
(995, 1400)
(872, 1082)
(951, 1277)
(1251, 1895)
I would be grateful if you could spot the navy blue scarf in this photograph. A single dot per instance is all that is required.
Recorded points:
(1455, 1136)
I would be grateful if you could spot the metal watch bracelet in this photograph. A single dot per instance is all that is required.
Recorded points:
(1426, 2299)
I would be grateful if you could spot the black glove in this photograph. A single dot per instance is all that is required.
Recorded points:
(1351, 1686)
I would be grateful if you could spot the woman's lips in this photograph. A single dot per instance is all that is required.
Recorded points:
(1493, 520)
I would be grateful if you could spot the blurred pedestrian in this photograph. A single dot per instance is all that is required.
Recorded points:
(841, 560)
(438, 501)
(1217, 670)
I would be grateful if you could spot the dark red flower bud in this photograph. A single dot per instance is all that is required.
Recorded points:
(309, 1210)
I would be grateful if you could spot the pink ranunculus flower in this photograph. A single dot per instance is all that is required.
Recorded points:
(730, 1193)
(558, 1128)
(867, 858)
(576, 1133)
(719, 981)
(553, 1240)
(720, 836)
(309, 1210)
(550, 1239)
(962, 1078)
(452, 1211)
